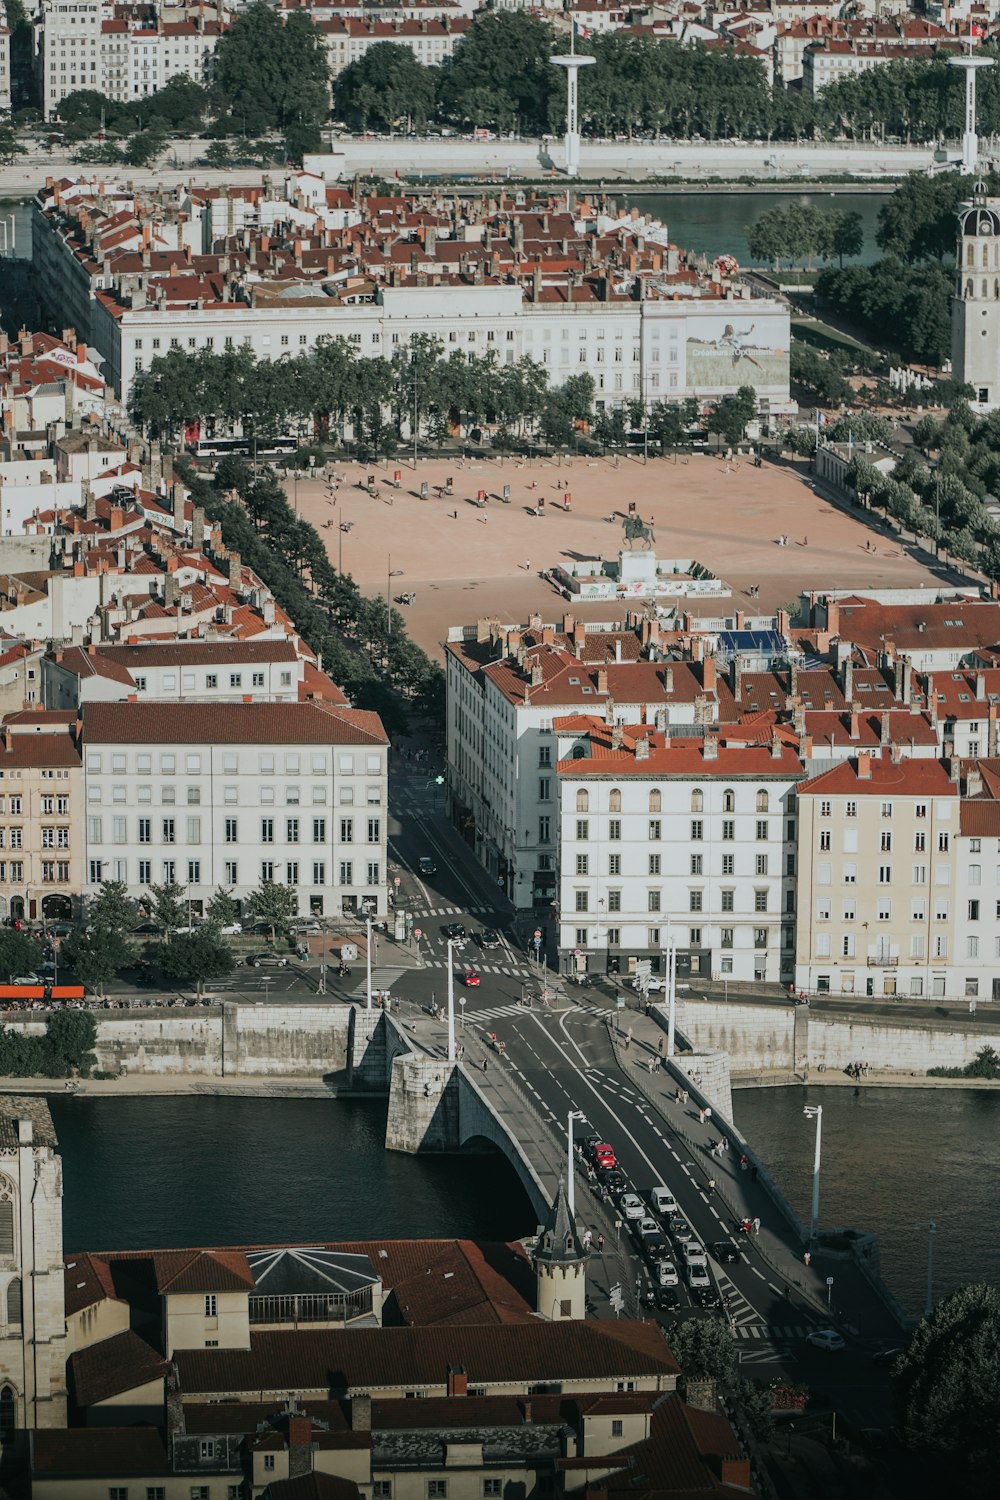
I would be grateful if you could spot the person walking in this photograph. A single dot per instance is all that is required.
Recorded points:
(659, 1046)
(711, 1184)
(756, 1229)
(486, 1064)
(600, 1243)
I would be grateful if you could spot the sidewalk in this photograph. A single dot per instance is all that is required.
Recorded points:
(854, 1303)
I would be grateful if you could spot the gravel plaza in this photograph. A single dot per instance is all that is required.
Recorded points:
(462, 560)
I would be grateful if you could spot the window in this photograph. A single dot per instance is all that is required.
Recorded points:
(582, 800)
(291, 830)
(347, 872)
(168, 831)
(374, 830)
(943, 843)
(762, 828)
(582, 900)
(760, 900)
(654, 864)
(211, 1305)
(697, 830)
(655, 802)
(145, 830)
(850, 874)
(760, 937)
(382, 1489)
(544, 830)
(582, 864)
(761, 864)
(583, 828)
(437, 1489)
(697, 801)
(975, 875)
(728, 828)
(347, 830)
(155, 1492)
(919, 875)
(824, 840)
(697, 863)
(654, 829)
(887, 809)
(728, 900)
(823, 909)
(614, 800)
(885, 874)
(886, 841)
(614, 828)
(694, 900)
(206, 1448)
(919, 842)
(544, 789)
(729, 802)
(118, 1492)
(973, 911)
(614, 864)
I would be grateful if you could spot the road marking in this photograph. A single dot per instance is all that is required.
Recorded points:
(763, 1278)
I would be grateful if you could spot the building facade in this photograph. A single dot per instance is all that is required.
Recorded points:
(41, 807)
(233, 795)
(975, 316)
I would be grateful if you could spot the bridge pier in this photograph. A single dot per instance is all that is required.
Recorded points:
(424, 1105)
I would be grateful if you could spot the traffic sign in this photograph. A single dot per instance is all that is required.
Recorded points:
(417, 932)
(538, 932)
(439, 781)
(829, 1281)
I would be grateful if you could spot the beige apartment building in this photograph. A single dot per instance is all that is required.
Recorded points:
(41, 812)
(878, 848)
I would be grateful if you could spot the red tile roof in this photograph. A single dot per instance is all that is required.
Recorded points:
(113, 1366)
(905, 778)
(97, 1453)
(230, 724)
(670, 757)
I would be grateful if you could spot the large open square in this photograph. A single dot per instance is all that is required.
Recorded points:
(461, 560)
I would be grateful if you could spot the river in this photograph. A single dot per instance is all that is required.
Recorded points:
(207, 1170)
(892, 1159)
(708, 224)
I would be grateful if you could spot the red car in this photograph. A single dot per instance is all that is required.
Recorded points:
(471, 980)
(604, 1156)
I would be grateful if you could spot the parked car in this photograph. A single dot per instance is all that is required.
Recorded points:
(725, 1252)
(666, 1273)
(825, 1338)
(426, 865)
(631, 1206)
(306, 929)
(231, 929)
(146, 929)
(489, 938)
(268, 960)
(651, 984)
(28, 979)
(662, 1201)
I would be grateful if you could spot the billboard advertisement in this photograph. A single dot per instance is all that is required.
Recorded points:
(734, 346)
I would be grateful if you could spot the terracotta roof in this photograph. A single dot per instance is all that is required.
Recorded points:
(202, 1271)
(87, 1279)
(463, 1282)
(669, 757)
(321, 1360)
(97, 1453)
(80, 662)
(230, 724)
(113, 1366)
(962, 624)
(688, 1452)
(905, 778)
(979, 819)
(312, 1486)
(199, 653)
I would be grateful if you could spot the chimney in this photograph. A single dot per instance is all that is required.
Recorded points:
(198, 527)
(616, 737)
(980, 687)
(567, 624)
(700, 1394)
(170, 591)
(668, 679)
(177, 504)
(458, 1381)
(25, 1131)
(602, 679)
(708, 674)
(90, 500)
(973, 782)
(537, 674)
(642, 747)
(884, 734)
(736, 677)
(361, 1413)
(775, 746)
(864, 766)
(848, 679)
(832, 617)
(900, 672)
(235, 571)
(854, 722)
(710, 749)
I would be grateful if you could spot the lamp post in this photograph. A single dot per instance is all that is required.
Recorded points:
(574, 1114)
(815, 1112)
(671, 990)
(368, 961)
(451, 1002)
(931, 1228)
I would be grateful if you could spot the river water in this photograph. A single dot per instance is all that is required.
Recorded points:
(160, 1173)
(708, 224)
(204, 1170)
(891, 1159)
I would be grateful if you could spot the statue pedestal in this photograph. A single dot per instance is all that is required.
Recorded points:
(636, 567)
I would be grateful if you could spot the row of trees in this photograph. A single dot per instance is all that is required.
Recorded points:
(801, 233)
(907, 306)
(65, 1049)
(271, 73)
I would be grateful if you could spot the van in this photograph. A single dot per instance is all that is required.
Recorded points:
(662, 1201)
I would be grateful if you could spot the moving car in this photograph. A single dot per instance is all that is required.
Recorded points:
(471, 979)
(489, 938)
(650, 1232)
(651, 983)
(614, 1180)
(725, 1252)
(662, 1201)
(706, 1297)
(679, 1228)
(694, 1253)
(426, 865)
(264, 960)
(631, 1206)
(667, 1299)
(697, 1275)
(825, 1338)
(604, 1156)
(666, 1273)
(455, 931)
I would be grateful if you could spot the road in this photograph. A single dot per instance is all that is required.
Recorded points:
(561, 1055)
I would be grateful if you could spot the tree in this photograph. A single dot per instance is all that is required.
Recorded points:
(95, 957)
(499, 74)
(277, 905)
(947, 1389)
(273, 73)
(69, 1041)
(167, 905)
(113, 908)
(848, 237)
(732, 414)
(10, 146)
(217, 155)
(705, 1351)
(18, 953)
(385, 86)
(222, 910)
(193, 957)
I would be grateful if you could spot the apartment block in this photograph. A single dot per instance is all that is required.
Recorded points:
(41, 808)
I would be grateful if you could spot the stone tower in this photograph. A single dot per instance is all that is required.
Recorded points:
(975, 320)
(32, 1301)
(560, 1261)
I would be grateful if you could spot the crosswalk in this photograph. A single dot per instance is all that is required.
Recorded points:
(451, 911)
(785, 1331)
(513, 971)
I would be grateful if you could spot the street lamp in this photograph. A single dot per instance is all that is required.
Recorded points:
(815, 1112)
(671, 990)
(931, 1228)
(451, 1003)
(368, 960)
(574, 1114)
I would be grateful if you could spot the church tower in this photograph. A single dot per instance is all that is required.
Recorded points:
(975, 319)
(32, 1294)
(560, 1261)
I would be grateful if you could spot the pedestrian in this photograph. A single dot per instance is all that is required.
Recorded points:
(711, 1184)
(756, 1229)
(527, 565)
(807, 1258)
(805, 541)
(659, 1046)
(701, 1117)
(486, 1064)
(651, 1065)
(744, 1162)
(600, 1243)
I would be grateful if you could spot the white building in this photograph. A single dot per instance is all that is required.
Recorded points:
(431, 40)
(4, 69)
(175, 671)
(234, 794)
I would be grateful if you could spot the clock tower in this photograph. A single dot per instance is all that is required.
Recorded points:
(975, 319)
